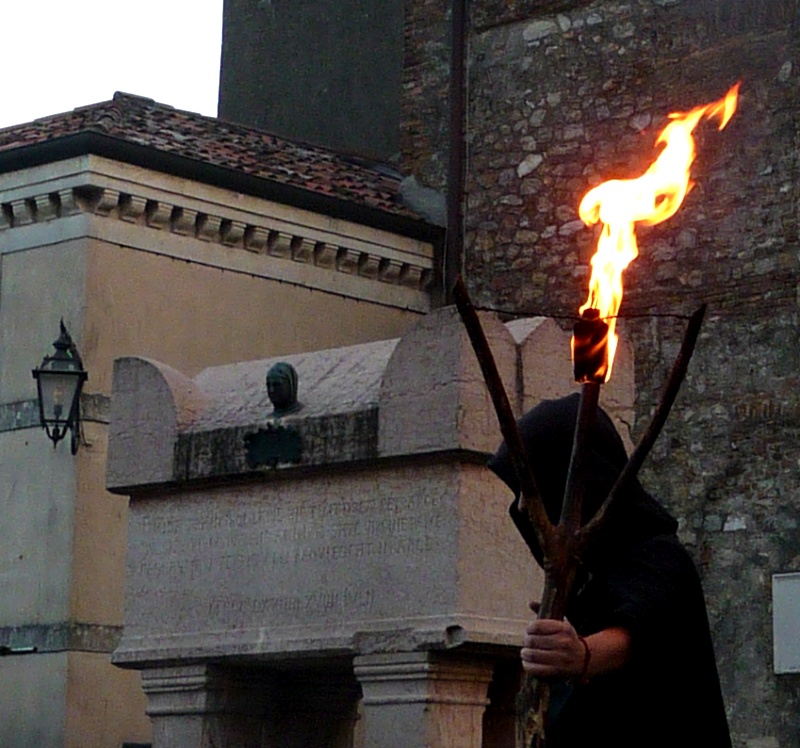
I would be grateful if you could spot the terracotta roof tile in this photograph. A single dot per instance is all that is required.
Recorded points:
(141, 121)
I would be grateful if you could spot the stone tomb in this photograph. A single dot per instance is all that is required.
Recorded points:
(345, 576)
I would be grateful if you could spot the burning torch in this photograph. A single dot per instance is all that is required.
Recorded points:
(618, 205)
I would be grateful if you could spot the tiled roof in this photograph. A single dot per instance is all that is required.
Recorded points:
(144, 122)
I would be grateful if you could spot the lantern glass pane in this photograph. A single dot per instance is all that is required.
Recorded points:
(57, 393)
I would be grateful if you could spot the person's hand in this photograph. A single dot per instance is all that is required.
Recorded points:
(552, 650)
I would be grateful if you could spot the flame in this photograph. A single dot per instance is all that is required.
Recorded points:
(652, 198)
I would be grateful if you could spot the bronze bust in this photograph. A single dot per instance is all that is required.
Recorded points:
(282, 389)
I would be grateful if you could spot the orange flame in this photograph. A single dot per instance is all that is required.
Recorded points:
(652, 198)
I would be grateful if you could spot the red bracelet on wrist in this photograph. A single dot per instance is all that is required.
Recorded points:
(583, 679)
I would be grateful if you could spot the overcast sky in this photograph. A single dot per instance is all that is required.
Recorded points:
(56, 55)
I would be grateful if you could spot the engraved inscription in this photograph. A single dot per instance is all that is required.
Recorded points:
(348, 600)
(333, 549)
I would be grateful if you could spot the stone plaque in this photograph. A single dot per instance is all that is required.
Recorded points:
(314, 558)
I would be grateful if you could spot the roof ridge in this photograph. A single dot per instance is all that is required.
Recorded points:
(253, 153)
(132, 101)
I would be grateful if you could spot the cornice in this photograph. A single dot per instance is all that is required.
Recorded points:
(64, 636)
(227, 177)
(132, 197)
(24, 414)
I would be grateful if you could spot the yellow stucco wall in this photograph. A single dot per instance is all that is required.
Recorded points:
(104, 705)
(191, 316)
(66, 565)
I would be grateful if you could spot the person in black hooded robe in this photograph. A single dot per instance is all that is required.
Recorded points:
(633, 663)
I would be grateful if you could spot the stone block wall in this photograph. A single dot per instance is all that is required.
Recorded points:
(564, 95)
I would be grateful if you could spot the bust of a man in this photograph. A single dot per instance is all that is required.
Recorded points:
(282, 389)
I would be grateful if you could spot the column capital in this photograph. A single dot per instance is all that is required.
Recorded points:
(423, 699)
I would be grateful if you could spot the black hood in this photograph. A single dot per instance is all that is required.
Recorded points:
(547, 433)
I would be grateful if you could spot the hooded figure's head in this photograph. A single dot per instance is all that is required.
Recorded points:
(547, 432)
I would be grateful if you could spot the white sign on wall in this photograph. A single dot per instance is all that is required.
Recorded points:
(786, 622)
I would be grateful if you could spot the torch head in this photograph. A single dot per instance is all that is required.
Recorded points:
(590, 338)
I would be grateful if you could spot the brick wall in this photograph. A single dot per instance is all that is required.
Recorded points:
(565, 95)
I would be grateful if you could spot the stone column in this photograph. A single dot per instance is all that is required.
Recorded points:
(202, 706)
(423, 700)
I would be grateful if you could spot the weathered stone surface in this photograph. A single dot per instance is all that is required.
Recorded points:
(330, 382)
(408, 698)
(377, 545)
(312, 442)
(433, 396)
(422, 394)
(150, 403)
(317, 565)
(488, 13)
(321, 562)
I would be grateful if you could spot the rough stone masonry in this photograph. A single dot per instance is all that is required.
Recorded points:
(564, 95)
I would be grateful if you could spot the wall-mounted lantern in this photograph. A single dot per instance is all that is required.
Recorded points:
(60, 380)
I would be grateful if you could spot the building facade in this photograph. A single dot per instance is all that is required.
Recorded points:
(160, 233)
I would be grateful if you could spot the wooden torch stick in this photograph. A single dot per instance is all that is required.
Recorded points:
(557, 543)
(560, 566)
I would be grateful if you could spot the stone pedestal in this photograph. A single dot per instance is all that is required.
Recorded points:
(423, 700)
(278, 567)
